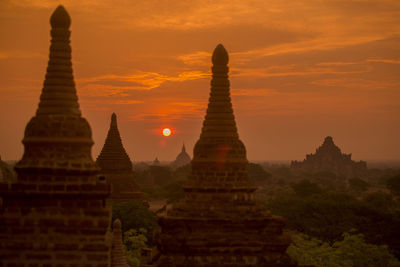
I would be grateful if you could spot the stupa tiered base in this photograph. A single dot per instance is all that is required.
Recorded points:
(242, 241)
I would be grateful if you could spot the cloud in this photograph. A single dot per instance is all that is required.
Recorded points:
(389, 61)
(356, 83)
(198, 58)
(127, 102)
(140, 80)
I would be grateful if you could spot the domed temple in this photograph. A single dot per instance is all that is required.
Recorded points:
(116, 167)
(329, 157)
(182, 159)
(218, 223)
(55, 213)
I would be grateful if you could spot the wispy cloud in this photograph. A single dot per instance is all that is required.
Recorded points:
(141, 80)
(389, 61)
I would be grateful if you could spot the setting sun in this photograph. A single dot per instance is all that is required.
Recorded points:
(166, 132)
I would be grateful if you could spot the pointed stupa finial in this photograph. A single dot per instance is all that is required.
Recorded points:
(113, 119)
(220, 55)
(183, 147)
(60, 18)
(219, 147)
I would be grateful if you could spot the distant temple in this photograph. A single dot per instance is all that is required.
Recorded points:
(218, 222)
(182, 159)
(328, 157)
(55, 212)
(156, 162)
(116, 167)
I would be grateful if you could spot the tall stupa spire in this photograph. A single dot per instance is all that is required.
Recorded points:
(59, 93)
(219, 121)
(58, 137)
(219, 149)
(218, 222)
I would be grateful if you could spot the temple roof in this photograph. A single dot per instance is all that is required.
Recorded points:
(113, 155)
(329, 147)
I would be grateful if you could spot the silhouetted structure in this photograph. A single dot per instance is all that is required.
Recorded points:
(55, 213)
(218, 223)
(328, 157)
(182, 159)
(116, 167)
(117, 252)
(156, 162)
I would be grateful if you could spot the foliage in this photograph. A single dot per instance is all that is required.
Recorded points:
(257, 173)
(173, 191)
(351, 251)
(327, 215)
(134, 215)
(305, 188)
(358, 185)
(162, 175)
(182, 173)
(380, 200)
(393, 184)
(134, 241)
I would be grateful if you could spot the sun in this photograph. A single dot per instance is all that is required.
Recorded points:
(166, 131)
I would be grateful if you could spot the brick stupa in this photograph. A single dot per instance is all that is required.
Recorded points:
(118, 258)
(116, 167)
(218, 223)
(55, 213)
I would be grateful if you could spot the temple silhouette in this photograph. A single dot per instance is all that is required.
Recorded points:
(182, 159)
(55, 213)
(116, 166)
(329, 157)
(218, 222)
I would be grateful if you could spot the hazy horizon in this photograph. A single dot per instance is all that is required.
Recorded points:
(299, 72)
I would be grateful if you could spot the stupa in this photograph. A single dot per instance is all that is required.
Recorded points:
(329, 157)
(182, 159)
(55, 213)
(218, 222)
(118, 258)
(116, 167)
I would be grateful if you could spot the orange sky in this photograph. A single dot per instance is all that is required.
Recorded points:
(300, 70)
